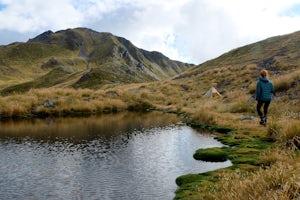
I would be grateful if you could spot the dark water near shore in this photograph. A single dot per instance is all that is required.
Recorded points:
(121, 156)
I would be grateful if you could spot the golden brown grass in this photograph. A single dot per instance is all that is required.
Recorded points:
(284, 82)
(277, 154)
(17, 105)
(65, 101)
(275, 182)
(203, 116)
(290, 135)
(239, 71)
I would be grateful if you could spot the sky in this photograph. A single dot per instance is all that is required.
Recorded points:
(191, 31)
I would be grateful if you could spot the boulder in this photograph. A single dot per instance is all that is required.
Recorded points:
(48, 103)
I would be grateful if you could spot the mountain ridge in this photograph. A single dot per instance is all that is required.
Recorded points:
(102, 56)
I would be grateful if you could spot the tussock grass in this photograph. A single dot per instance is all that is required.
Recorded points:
(187, 96)
(285, 82)
(237, 102)
(17, 105)
(275, 182)
(277, 154)
(286, 131)
(290, 135)
(66, 101)
(235, 73)
(274, 129)
(241, 107)
(203, 116)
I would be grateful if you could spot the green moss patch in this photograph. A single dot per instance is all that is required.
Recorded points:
(190, 183)
(243, 150)
(189, 178)
(212, 154)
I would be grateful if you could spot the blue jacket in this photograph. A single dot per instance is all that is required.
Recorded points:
(264, 89)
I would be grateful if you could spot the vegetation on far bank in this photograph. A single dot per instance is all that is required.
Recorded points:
(265, 159)
(258, 151)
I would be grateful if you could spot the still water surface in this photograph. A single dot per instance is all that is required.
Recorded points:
(120, 156)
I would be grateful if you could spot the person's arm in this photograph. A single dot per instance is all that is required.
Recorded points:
(257, 91)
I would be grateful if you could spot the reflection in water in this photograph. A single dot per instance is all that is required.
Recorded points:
(89, 128)
(124, 156)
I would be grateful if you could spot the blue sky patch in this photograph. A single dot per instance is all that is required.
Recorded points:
(2, 6)
(292, 11)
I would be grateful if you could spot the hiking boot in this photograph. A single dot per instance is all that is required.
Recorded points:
(263, 121)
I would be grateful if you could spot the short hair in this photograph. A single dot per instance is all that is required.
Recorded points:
(264, 73)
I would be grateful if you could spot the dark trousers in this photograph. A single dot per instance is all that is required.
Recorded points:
(266, 106)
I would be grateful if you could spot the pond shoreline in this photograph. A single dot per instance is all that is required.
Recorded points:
(53, 112)
(242, 149)
(245, 142)
(85, 147)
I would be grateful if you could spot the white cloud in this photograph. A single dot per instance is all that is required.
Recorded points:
(259, 18)
(35, 15)
(187, 30)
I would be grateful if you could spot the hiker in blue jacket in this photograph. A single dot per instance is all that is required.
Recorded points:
(264, 91)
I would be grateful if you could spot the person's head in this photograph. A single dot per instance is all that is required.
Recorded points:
(264, 73)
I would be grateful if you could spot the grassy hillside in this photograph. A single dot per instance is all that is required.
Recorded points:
(280, 55)
(235, 74)
(100, 57)
(265, 159)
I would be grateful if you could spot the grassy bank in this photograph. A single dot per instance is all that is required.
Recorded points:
(265, 159)
(256, 151)
(262, 168)
(67, 102)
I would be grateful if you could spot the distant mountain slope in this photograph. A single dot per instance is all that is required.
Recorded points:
(239, 68)
(266, 53)
(88, 57)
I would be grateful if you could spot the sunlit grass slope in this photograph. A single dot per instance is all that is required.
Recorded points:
(102, 56)
(265, 159)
